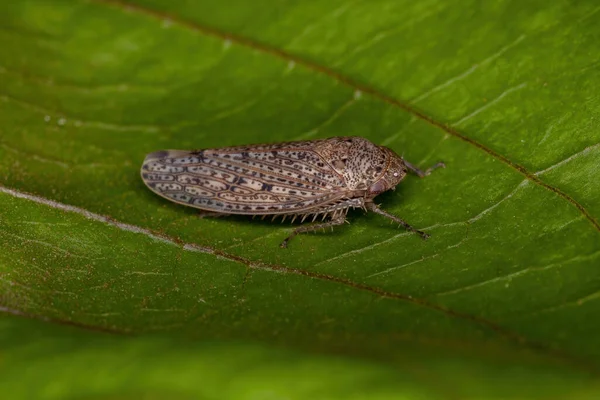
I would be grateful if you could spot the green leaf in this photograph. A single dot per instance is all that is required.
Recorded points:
(110, 291)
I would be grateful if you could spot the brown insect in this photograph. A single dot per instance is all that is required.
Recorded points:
(319, 178)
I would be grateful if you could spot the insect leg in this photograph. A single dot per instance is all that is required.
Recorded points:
(210, 214)
(313, 227)
(420, 173)
(373, 207)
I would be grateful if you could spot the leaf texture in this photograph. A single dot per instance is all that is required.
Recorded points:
(501, 302)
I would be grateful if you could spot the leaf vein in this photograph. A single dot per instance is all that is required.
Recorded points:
(469, 71)
(569, 159)
(335, 115)
(490, 103)
(515, 274)
(63, 120)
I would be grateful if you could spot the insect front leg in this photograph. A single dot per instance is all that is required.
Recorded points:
(420, 173)
(373, 207)
(339, 220)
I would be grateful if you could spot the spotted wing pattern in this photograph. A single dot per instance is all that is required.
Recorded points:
(284, 178)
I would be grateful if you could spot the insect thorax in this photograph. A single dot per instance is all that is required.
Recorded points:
(359, 161)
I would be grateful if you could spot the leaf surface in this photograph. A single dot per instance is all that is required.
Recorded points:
(502, 301)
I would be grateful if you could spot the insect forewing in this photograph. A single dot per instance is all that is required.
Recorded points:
(285, 178)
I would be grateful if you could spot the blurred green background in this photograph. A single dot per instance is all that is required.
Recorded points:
(108, 291)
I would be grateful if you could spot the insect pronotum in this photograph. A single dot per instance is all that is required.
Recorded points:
(319, 178)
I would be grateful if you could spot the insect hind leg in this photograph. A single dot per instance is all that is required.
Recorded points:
(210, 214)
(338, 220)
(373, 207)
